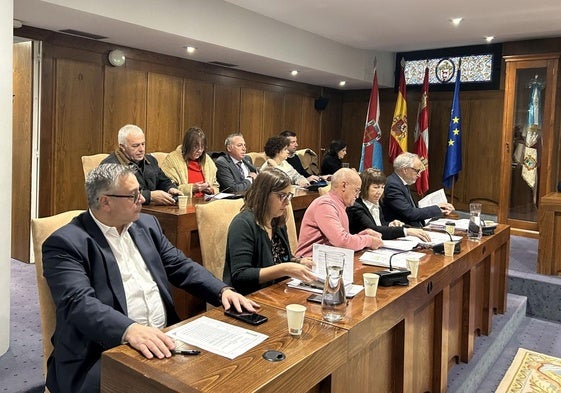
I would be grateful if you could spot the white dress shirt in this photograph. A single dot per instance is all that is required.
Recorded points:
(144, 303)
(374, 210)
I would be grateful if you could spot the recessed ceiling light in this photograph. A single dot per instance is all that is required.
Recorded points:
(342, 83)
(190, 49)
(456, 21)
(294, 72)
(489, 38)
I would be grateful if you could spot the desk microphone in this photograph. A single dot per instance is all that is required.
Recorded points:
(439, 248)
(393, 276)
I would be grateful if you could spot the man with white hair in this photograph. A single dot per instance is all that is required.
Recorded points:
(157, 188)
(326, 220)
(397, 202)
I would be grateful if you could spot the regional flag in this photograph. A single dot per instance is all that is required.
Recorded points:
(453, 163)
(398, 133)
(371, 155)
(422, 136)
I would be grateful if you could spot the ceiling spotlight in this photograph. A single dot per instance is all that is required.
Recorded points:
(190, 49)
(294, 72)
(342, 83)
(489, 38)
(456, 21)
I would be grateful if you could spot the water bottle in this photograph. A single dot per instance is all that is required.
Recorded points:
(334, 302)
(474, 227)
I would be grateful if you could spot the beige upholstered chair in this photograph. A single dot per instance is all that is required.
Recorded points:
(291, 229)
(257, 158)
(90, 162)
(324, 190)
(42, 228)
(160, 156)
(309, 160)
(213, 220)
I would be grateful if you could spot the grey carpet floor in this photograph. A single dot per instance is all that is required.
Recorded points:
(21, 367)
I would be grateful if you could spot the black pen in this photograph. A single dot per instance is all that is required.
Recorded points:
(185, 352)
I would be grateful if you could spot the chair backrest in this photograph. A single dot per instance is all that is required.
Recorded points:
(90, 162)
(291, 229)
(41, 229)
(257, 158)
(324, 190)
(309, 160)
(213, 220)
(160, 156)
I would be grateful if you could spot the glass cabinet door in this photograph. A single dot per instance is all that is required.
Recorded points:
(529, 161)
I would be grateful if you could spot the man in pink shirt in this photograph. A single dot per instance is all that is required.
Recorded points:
(326, 221)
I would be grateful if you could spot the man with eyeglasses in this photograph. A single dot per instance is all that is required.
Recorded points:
(157, 188)
(397, 202)
(109, 271)
(326, 222)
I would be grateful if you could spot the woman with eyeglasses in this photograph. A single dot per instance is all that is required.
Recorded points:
(366, 211)
(257, 248)
(189, 167)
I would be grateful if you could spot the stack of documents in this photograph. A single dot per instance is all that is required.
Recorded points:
(436, 238)
(381, 257)
(440, 224)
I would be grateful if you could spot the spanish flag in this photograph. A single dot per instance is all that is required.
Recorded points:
(398, 132)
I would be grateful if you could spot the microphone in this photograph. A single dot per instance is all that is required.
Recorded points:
(393, 276)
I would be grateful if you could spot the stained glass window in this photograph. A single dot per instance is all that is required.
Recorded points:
(474, 69)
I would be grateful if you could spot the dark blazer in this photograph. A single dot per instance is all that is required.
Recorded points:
(229, 176)
(150, 178)
(397, 204)
(91, 307)
(360, 218)
(330, 164)
(248, 249)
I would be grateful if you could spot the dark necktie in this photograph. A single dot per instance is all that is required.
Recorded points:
(239, 164)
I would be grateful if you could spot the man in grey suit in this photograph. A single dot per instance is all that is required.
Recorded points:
(108, 272)
(235, 172)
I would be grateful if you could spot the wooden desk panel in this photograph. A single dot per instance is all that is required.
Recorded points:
(310, 359)
(180, 227)
(549, 246)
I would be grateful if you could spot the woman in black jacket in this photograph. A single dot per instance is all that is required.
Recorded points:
(331, 162)
(366, 212)
(257, 249)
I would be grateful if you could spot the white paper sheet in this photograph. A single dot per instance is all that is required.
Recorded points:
(434, 198)
(318, 258)
(436, 238)
(217, 337)
(381, 257)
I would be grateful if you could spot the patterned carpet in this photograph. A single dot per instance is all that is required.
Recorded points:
(532, 372)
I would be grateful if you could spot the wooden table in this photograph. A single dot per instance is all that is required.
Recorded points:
(404, 340)
(549, 224)
(180, 227)
(310, 359)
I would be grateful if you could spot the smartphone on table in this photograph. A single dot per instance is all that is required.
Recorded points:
(315, 298)
(246, 316)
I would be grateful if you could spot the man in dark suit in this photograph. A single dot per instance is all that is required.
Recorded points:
(398, 203)
(108, 272)
(234, 171)
(157, 188)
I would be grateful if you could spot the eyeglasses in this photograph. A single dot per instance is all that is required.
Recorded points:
(135, 196)
(284, 196)
(416, 170)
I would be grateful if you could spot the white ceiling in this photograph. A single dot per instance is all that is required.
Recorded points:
(326, 40)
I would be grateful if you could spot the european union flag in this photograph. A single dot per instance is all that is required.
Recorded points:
(453, 163)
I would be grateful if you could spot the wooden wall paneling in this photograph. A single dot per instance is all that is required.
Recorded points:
(354, 114)
(309, 134)
(330, 123)
(483, 148)
(198, 111)
(46, 134)
(251, 119)
(226, 111)
(22, 131)
(293, 119)
(124, 102)
(164, 112)
(439, 121)
(273, 115)
(78, 121)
